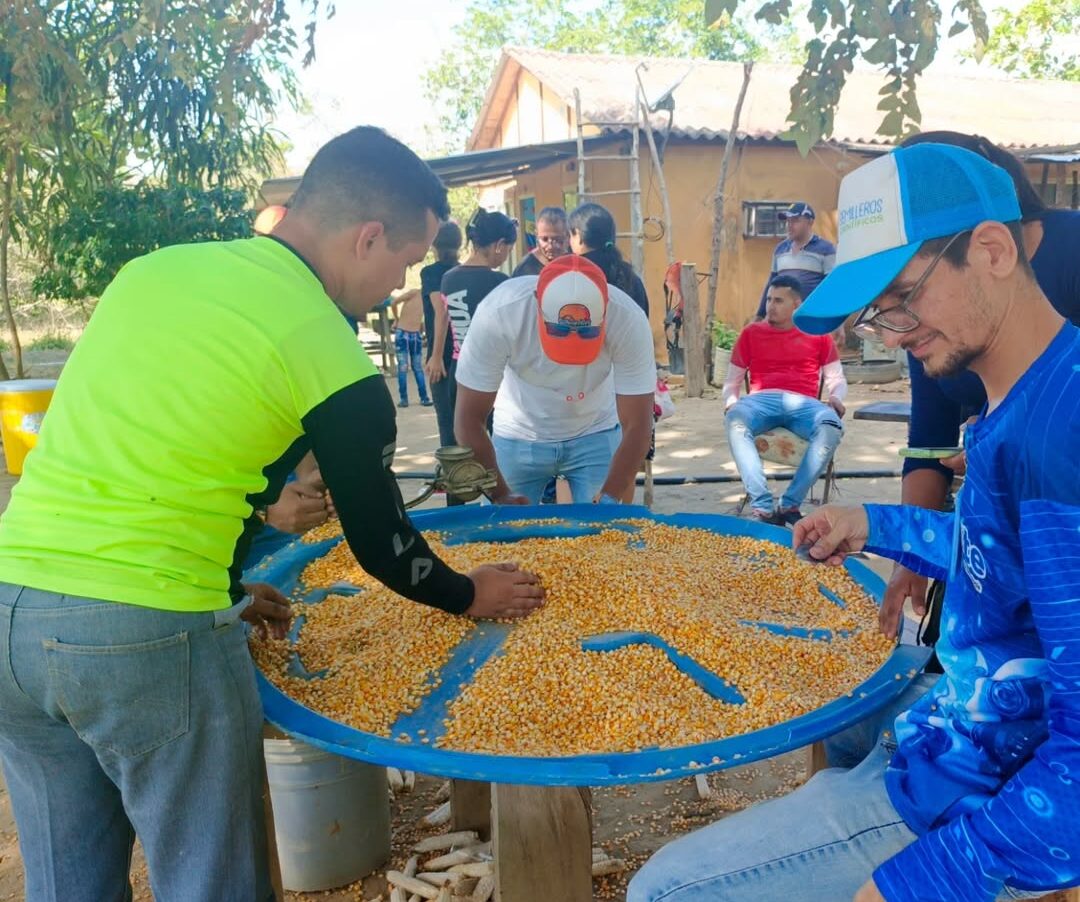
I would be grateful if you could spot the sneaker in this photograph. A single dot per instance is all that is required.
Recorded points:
(789, 516)
(773, 518)
(427, 403)
(402, 403)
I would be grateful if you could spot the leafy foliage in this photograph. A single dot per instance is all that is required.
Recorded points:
(119, 224)
(98, 94)
(456, 85)
(723, 336)
(1039, 40)
(899, 37)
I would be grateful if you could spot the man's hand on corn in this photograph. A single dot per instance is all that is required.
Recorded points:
(833, 532)
(504, 590)
(269, 610)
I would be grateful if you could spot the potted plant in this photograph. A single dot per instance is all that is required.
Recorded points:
(723, 339)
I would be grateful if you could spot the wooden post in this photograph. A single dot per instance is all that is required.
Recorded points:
(718, 210)
(470, 807)
(542, 842)
(661, 182)
(816, 758)
(694, 341)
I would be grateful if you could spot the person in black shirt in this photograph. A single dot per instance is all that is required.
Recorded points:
(491, 235)
(552, 240)
(592, 235)
(447, 246)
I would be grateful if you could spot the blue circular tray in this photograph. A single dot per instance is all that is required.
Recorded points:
(475, 523)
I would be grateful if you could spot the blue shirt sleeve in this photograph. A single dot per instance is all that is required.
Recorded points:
(1028, 834)
(919, 539)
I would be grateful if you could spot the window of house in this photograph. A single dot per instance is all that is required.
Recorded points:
(760, 219)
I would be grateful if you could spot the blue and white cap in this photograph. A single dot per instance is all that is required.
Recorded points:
(888, 208)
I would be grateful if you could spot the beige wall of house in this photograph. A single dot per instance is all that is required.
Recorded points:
(758, 173)
(691, 169)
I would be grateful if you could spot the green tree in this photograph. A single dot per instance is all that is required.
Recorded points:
(900, 37)
(118, 224)
(456, 84)
(93, 94)
(1038, 41)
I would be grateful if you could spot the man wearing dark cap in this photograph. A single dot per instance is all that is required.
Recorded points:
(804, 255)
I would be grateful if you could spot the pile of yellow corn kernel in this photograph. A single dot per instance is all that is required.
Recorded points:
(544, 695)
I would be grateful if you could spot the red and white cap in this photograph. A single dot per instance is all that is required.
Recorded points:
(572, 298)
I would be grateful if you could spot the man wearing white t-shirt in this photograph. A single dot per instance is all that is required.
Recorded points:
(566, 361)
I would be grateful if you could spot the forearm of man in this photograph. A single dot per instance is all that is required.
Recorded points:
(470, 430)
(307, 466)
(924, 488)
(635, 417)
(733, 385)
(355, 454)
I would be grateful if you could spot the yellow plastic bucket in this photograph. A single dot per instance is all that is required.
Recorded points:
(23, 403)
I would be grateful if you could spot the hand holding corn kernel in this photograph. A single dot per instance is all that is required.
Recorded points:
(833, 532)
(504, 590)
(269, 610)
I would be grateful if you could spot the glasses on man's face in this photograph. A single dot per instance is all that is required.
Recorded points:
(873, 321)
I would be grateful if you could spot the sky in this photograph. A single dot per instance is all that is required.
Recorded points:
(371, 57)
(369, 61)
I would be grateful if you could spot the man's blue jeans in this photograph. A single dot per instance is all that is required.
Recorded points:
(807, 417)
(409, 348)
(584, 462)
(819, 843)
(117, 720)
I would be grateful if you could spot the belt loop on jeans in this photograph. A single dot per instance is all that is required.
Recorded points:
(228, 616)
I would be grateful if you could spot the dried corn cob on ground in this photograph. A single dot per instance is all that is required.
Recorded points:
(544, 695)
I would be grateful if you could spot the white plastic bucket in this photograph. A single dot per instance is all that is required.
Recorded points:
(331, 815)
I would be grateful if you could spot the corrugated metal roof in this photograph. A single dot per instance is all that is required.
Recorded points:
(1013, 112)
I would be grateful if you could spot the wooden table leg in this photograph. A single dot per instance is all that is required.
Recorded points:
(816, 759)
(470, 806)
(542, 841)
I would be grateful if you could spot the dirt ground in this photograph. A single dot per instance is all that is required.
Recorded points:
(629, 822)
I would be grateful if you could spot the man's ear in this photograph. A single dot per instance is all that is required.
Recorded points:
(993, 246)
(367, 234)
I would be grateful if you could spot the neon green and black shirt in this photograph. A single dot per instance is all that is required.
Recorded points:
(206, 372)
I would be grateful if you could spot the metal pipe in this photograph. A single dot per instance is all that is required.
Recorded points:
(711, 479)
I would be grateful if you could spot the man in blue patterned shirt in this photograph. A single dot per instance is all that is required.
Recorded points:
(970, 793)
(804, 255)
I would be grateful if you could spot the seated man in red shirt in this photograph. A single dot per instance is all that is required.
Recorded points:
(786, 367)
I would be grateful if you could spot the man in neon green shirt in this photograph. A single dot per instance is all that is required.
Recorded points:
(127, 696)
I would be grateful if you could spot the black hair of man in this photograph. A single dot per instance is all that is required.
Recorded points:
(365, 175)
(790, 282)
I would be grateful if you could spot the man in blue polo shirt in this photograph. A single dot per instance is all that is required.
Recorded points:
(804, 255)
(967, 789)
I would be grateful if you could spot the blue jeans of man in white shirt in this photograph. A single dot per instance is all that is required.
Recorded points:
(583, 461)
(807, 417)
